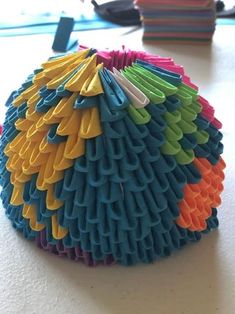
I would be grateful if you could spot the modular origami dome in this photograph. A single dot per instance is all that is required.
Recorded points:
(111, 156)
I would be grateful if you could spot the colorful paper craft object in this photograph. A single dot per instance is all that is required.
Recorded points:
(177, 20)
(111, 156)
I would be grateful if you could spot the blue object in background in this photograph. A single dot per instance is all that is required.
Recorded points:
(48, 24)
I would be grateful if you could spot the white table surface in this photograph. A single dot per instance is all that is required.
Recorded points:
(200, 279)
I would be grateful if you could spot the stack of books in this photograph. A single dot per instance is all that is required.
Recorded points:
(177, 20)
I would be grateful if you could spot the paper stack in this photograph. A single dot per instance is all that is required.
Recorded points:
(177, 20)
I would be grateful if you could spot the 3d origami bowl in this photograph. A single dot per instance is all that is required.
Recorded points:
(111, 156)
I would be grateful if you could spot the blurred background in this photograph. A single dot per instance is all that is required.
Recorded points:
(41, 16)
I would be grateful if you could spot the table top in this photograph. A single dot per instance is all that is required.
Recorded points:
(199, 279)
